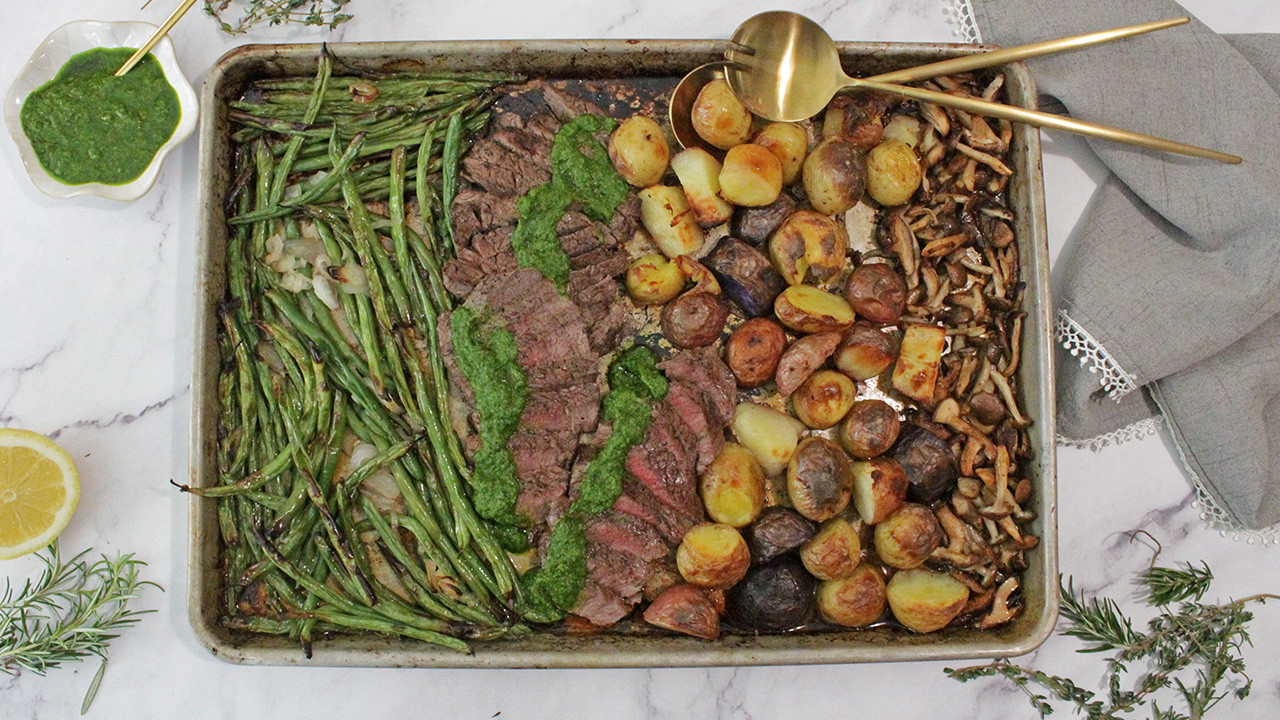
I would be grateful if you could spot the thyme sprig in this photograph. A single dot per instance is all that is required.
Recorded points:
(324, 13)
(1191, 652)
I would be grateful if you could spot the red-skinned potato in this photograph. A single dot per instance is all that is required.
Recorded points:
(703, 279)
(870, 428)
(753, 351)
(924, 600)
(879, 488)
(639, 151)
(666, 216)
(908, 536)
(751, 176)
(835, 175)
(819, 479)
(865, 352)
(834, 552)
(854, 601)
(808, 244)
(694, 319)
(807, 309)
(732, 487)
(824, 399)
(805, 355)
(699, 175)
(719, 117)
(876, 292)
(685, 609)
(713, 555)
(653, 280)
(789, 142)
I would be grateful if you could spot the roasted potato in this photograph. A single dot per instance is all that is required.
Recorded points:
(702, 278)
(719, 117)
(876, 292)
(903, 128)
(667, 218)
(699, 175)
(804, 356)
(865, 352)
(745, 275)
(712, 555)
(929, 463)
(695, 319)
(773, 597)
(663, 576)
(919, 356)
(751, 176)
(756, 224)
(685, 609)
(924, 600)
(854, 601)
(770, 435)
(834, 552)
(732, 486)
(819, 479)
(855, 117)
(824, 398)
(870, 428)
(893, 173)
(778, 531)
(753, 351)
(879, 487)
(808, 244)
(907, 537)
(807, 309)
(835, 175)
(639, 151)
(789, 142)
(653, 279)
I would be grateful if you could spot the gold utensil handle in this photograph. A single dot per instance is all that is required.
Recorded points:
(1022, 52)
(155, 37)
(1040, 119)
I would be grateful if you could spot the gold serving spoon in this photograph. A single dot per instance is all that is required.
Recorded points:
(785, 67)
(155, 37)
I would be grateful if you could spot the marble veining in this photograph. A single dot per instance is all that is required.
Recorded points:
(96, 307)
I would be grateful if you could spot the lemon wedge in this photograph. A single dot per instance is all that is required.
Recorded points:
(39, 489)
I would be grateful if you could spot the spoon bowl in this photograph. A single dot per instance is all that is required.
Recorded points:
(784, 66)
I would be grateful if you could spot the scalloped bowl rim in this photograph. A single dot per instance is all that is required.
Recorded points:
(49, 57)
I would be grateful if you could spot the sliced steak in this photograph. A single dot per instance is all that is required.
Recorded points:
(690, 406)
(704, 370)
(600, 605)
(626, 534)
(542, 458)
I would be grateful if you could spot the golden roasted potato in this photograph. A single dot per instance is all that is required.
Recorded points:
(804, 356)
(835, 175)
(753, 351)
(703, 280)
(907, 537)
(916, 373)
(893, 173)
(685, 609)
(699, 175)
(789, 142)
(713, 555)
(732, 486)
(639, 151)
(877, 292)
(751, 176)
(870, 428)
(834, 552)
(879, 488)
(770, 435)
(807, 309)
(854, 601)
(808, 243)
(667, 218)
(653, 279)
(824, 398)
(865, 352)
(819, 479)
(719, 117)
(924, 600)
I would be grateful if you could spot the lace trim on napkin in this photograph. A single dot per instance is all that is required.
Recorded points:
(1141, 429)
(960, 13)
(1081, 344)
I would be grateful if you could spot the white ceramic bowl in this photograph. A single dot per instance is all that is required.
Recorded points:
(48, 59)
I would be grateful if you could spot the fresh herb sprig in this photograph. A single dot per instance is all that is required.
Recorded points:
(324, 13)
(1191, 652)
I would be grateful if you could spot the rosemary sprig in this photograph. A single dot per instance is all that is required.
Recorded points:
(1189, 655)
(325, 13)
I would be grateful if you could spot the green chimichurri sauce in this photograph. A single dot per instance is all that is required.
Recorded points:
(86, 125)
(580, 172)
(634, 384)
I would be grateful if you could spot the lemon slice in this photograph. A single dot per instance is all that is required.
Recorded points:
(39, 489)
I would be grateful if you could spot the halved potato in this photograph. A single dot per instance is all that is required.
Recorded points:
(751, 176)
(808, 243)
(770, 435)
(789, 142)
(713, 555)
(719, 117)
(669, 220)
(924, 600)
(865, 352)
(699, 175)
(653, 279)
(879, 488)
(807, 309)
(919, 357)
(732, 486)
(854, 601)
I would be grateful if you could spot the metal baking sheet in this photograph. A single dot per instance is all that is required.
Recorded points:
(603, 59)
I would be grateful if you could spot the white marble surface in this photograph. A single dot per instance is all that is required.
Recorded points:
(95, 350)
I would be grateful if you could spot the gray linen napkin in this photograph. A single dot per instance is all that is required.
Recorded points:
(1170, 287)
